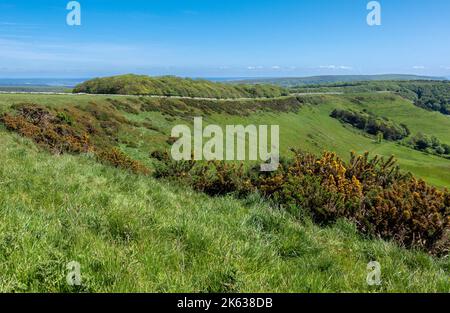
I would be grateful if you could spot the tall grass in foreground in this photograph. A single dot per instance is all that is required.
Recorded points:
(135, 234)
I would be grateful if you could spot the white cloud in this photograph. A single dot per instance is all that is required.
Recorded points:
(276, 67)
(28, 51)
(419, 67)
(328, 67)
(335, 67)
(255, 68)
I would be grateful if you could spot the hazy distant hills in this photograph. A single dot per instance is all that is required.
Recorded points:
(313, 80)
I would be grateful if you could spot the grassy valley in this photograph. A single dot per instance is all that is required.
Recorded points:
(310, 128)
(95, 199)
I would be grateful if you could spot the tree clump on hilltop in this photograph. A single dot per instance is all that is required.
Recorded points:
(174, 86)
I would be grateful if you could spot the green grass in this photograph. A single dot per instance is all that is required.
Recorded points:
(403, 111)
(135, 234)
(34, 89)
(311, 129)
(6, 100)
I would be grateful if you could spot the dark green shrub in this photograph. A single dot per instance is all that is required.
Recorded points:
(372, 124)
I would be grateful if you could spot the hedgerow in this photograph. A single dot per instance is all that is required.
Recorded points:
(177, 107)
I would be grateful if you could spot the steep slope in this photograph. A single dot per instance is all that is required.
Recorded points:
(430, 95)
(305, 123)
(132, 233)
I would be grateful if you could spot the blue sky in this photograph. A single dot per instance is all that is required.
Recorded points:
(223, 38)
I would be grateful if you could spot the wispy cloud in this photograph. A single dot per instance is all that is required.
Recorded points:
(419, 67)
(335, 67)
(27, 51)
(13, 26)
(252, 68)
(274, 68)
(76, 56)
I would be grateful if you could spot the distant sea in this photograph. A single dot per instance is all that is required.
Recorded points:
(41, 82)
(72, 82)
(225, 79)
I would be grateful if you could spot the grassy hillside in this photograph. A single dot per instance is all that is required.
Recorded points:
(311, 128)
(133, 233)
(175, 86)
(35, 89)
(312, 80)
(430, 95)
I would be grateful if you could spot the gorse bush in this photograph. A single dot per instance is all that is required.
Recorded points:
(372, 192)
(117, 158)
(72, 132)
(212, 177)
(46, 129)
